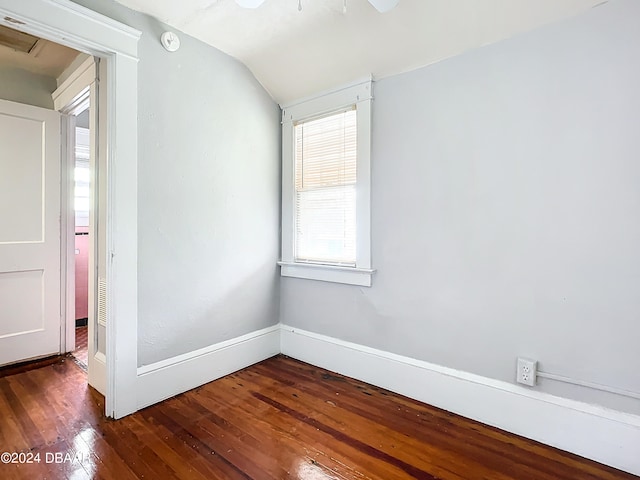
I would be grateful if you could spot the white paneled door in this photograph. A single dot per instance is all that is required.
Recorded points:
(30, 296)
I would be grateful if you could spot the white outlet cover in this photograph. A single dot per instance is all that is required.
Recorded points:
(526, 371)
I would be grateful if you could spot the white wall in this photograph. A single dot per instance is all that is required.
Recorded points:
(208, 206)
(21, 86)
(506, 211)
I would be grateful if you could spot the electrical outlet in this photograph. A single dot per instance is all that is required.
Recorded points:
(527, 371)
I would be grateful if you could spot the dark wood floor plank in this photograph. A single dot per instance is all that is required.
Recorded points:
(420, 423)
(30, 432)
(374, 440)
(22, 367)
(354, 463)
(147, 434)
(10, 434)
(204, 463)
(391, 439)
(222, 467)
(261, 440)
(287, 438)
(442, 428)
(275, 420)
(44, 424)
(101, 460)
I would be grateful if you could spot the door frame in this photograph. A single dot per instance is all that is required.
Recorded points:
(72, 97)
(70, 24)
(77, 93)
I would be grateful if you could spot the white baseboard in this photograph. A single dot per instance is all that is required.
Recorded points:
(604, 435)
(167, 378)
(97, 372)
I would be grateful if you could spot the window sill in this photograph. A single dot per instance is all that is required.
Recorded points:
(327, 273)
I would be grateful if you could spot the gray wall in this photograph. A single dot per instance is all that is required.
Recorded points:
(21, 86)
(208, 194)
(506, 211)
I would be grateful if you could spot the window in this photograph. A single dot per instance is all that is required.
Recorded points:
(325, 190)
(81, 178)
(325, 183)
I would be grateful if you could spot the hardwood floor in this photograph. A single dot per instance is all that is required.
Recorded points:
(81, 352)
(278, 419)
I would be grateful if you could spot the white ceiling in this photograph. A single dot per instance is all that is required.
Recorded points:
(296, 54)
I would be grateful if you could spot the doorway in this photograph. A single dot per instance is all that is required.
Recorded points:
(117, 45)
(46, 200)
(82, 193)
(31, 272)
(78, 99)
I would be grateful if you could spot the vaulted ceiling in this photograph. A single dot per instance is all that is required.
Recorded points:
(298, 53)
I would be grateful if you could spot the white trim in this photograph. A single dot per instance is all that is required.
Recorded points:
(346, 86)
(99, 372)
(327, 102)
(72, 96)
(363, 182)
(96, 362)
(360, 95)
(91, 32)
(67, 235)
(70, 24)
(591, 431)
(167, 378)
(122, 234)
(288, 194)
(327, 273)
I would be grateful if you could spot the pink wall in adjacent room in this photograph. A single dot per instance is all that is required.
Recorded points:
(82, 273)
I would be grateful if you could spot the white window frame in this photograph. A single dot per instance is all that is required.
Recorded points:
(360, 95)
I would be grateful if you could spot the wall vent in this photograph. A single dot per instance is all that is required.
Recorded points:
(102, 302)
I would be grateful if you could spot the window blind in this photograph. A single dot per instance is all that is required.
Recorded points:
(82, 177)
(325, 186)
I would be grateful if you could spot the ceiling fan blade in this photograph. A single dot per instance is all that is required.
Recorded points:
(384, 6)
(249, 3)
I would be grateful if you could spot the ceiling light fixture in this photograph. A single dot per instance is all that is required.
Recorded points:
(382, 6)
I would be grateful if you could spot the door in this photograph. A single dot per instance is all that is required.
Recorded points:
(30, 296)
